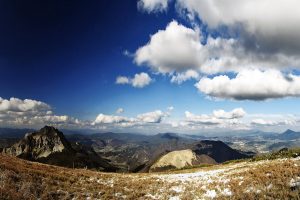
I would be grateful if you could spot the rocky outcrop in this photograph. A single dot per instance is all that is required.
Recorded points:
(49, 145)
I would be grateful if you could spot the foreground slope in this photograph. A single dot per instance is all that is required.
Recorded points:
(263, 179)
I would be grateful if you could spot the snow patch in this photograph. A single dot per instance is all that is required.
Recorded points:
(211, 194)
(177, 189)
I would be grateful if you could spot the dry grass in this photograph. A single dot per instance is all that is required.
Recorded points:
(21, 179)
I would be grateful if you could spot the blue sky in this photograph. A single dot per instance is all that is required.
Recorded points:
(66, 58)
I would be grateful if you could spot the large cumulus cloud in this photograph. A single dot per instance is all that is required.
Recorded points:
(251, 84)
(254, 37)
(33, 113)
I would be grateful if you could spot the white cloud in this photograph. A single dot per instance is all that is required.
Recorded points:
(234, 114)
(110, 119)
(202, 119)
(262, 25)
(252, 85)
(36, 114)
(153, 5)
(122, 80)
(264, 122)
(271, 24)
(261, 36)
(28, 112)
(18, 105)
(151, 117)
(219, 117)
(163, 54)
(141, 80)
(217, 55)
(119, 110)
(53, 119)
(181, 77)
(138, 81)
(141, 119)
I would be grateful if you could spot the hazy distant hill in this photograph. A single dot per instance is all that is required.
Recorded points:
(289, 135)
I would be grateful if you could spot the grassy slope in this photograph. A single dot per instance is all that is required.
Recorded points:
(262, 179)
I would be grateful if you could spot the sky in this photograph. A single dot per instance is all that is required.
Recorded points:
(151, 66)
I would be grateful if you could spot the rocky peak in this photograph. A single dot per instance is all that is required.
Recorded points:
(49, 145)
(42, 143)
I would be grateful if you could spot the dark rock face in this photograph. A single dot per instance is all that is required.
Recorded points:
(48, 145)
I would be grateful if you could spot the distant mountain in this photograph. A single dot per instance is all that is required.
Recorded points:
(49, 145)
(289, 135)
(169, 136)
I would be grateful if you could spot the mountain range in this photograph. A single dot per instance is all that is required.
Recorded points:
(114, 151)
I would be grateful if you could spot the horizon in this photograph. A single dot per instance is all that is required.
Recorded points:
(150, 66)
(203, 134)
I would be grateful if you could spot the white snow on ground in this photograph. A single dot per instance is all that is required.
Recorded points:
(270, 186)
(295, 182)
(174, 198)
(177, 189)
(226, 192)
(209, 176)
(210, 194)
(151, 196)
